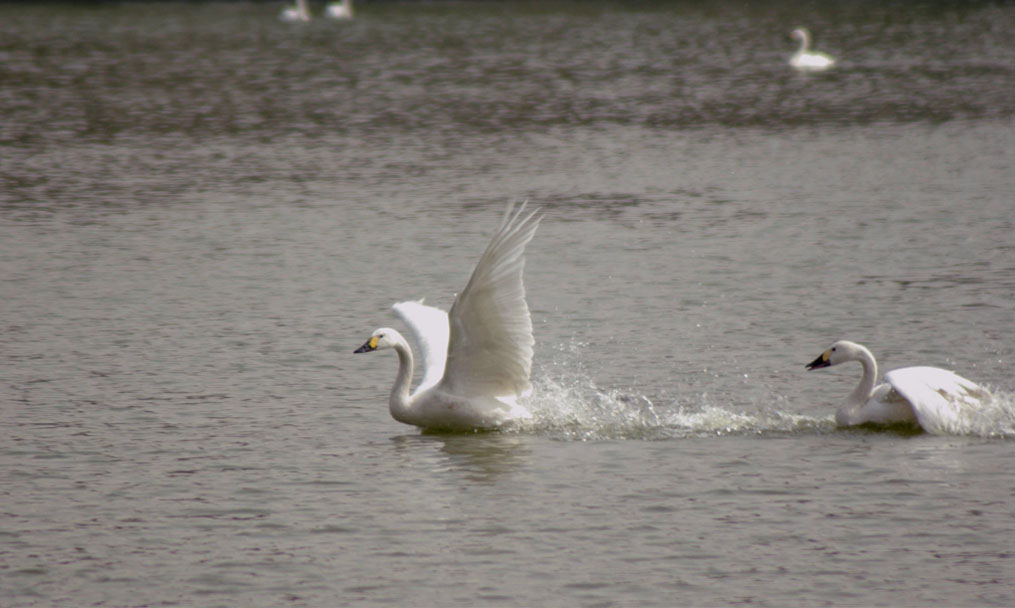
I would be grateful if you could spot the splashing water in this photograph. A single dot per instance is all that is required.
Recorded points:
(995, 418)
(574, 408)
(569, 405)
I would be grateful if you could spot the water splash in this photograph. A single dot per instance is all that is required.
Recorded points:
(570, 406)
(574, 408)
(994, 418)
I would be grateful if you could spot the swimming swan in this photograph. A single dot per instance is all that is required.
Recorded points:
(477, 358)
(339, 10)
(805, 59)
(929, 396)
(298, 12)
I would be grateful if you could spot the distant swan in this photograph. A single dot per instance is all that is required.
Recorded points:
(297, 12)
(929, 396)
(477, 359)
(339, 10)
(806, 59)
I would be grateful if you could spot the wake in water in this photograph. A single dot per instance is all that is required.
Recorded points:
(995, 418)
(571, 406)
(575, 408)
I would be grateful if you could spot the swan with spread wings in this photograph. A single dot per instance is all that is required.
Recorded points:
(477, 358)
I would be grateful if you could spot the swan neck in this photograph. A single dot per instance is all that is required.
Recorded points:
(399, 403)
(805, 42)
(870, 376)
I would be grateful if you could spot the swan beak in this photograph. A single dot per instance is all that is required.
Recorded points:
(368, 346)
(820, 362)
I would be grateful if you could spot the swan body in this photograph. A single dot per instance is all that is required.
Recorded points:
(339, 10)
(297, 12)
(477, 358)
(929, 396)
(806, 59)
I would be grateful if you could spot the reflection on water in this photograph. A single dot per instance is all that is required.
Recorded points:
(477, 457)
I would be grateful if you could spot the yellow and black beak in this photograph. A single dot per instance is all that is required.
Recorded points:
(368, 346)
(820, 362)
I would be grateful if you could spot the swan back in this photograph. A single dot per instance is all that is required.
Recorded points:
(429, 327)
(490, 347)
(936, 395)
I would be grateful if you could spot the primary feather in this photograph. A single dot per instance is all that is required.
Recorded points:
(490, 348)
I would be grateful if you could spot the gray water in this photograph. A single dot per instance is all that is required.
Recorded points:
(204, 211)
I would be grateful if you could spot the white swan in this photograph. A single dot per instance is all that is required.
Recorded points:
(929, 396)
(477, 358)
(339, 10)
(806, 59)
(297, 12)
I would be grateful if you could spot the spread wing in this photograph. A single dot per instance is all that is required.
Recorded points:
(490, 352)
(937, 395)
(429, 328)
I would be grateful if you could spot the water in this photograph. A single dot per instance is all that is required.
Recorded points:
(204, 211)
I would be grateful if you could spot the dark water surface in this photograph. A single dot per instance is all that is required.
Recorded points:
(204, 210)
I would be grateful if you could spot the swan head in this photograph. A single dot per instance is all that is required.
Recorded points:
(839, 352)
(381, 339)
(800, 34)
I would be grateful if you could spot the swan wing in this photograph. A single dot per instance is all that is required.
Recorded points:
(936, 395)
(429, 328)
(490, 351)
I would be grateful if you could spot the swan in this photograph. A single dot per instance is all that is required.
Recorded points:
(339, 10)
(297, 12)
(477, 358)
(929, 396)
(806, 59)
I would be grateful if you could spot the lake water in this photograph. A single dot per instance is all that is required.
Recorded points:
(204, 211)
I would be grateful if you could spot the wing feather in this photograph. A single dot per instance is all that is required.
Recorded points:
(490, 350)
(430, 329)
(937, 395)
